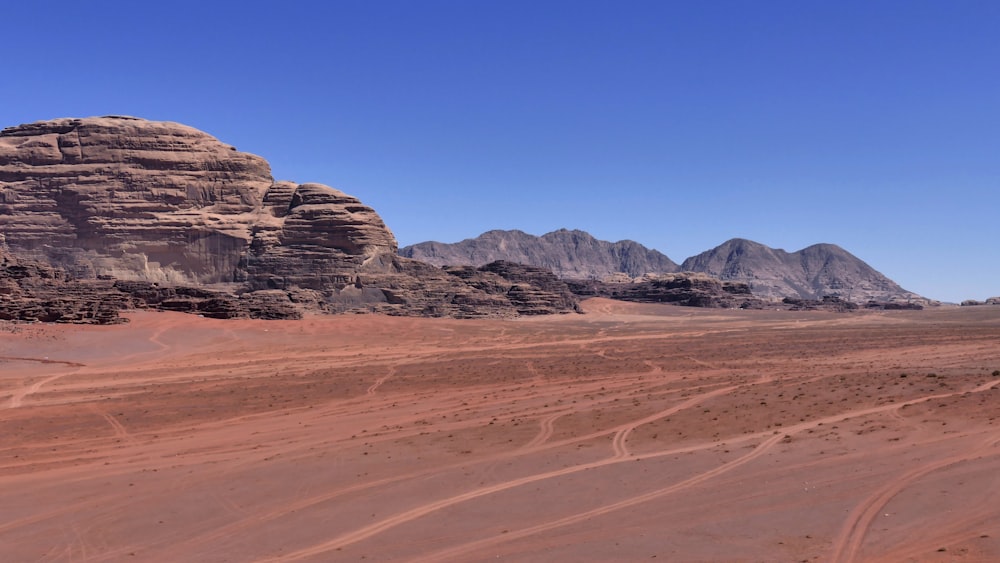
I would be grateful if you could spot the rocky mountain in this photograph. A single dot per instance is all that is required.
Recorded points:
(569, 254)
(811, 273)
(163, 204)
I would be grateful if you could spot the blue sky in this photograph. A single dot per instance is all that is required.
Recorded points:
(872, 125)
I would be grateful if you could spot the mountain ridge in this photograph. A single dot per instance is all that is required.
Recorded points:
(567, 253)
(816, 271)
(812, 272)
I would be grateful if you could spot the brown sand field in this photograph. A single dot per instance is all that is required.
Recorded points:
(630, 433)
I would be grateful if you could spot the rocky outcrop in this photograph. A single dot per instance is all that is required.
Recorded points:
(130, 198)
(894, 306)
(827, 303)
(568, 254)
(208, 230)
(973, 302)
(686, 289)
(312, 236)
(164, 202)
(531, 290)
(32, 291)
(38, 292)
(811, 273)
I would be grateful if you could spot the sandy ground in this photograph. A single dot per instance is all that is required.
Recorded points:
(630, 433)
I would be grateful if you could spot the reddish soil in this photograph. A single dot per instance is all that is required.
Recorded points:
(631, 432)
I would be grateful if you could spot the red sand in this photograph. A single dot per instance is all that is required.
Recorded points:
(628, 433)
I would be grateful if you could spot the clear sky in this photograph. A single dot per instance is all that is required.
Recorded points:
(874, 125)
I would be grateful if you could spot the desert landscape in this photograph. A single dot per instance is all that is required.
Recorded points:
(630, 432)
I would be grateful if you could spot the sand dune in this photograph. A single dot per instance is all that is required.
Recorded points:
(628, 433)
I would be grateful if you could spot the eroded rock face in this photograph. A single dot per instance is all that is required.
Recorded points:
(530, 290)
(687, 289)
(193, 224)
(164, 202)
(127, 197)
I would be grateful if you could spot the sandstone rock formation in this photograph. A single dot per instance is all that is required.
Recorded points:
(120, 198)
(37, 292)
(532, 290)
(685, 288)
(164, 202)
(569, 254)
(34, 291)
(973, 302)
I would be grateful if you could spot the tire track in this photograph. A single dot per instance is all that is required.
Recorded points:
(848, 543)
(619, 446)
(119, 429)
(467, 548)
(621, 455)
(430, 508)
(867, 512)
(421, 511)
(546, 430)
(969, 528)
(542, 445)
(17, 399)
(378, 382)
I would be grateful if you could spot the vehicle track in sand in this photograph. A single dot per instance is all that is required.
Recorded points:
(848, 542)
(621, 433)
(18, 397)
(468, 548)
(845, 547)
(539, 443)
(120, 432)
(546, 429)
(771, 438)
(378, 382)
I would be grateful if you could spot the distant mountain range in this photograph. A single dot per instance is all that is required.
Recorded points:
(810, 273)
(568, 254)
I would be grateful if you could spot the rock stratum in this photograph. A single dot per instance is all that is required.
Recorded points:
(147, 209)
(685, 288)
(772, 274)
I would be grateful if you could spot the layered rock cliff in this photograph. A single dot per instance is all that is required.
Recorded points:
(121, 198)
(685, 288)
(165, 202)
